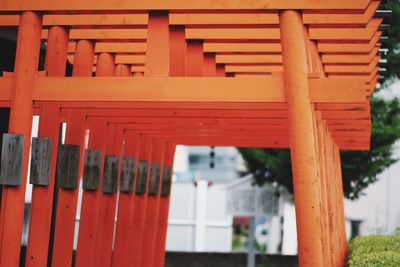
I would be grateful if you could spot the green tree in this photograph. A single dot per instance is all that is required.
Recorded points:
(359, 168)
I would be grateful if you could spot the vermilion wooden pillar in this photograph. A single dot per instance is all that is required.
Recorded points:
(136, 243)
(75, 134)
(42, 196)
(157, 65)
(91, 200)
(89, 216)
(124, 228)
(152, 210)
(177, 54)
(162, 223)
(302, 140)
(13, 198)
(105, 234)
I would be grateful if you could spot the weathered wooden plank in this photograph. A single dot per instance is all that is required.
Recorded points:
(110, 174)
(154, 183)
(41, 161)
(92, 168)
(11, 159)
(67, 166)
(141, 181)
(128, 172)
(166, 181)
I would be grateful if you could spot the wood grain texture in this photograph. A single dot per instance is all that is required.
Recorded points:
(128, 172)
(67, 166)
(92, 168)
(110, 174)
(41, 160)
(11, 159)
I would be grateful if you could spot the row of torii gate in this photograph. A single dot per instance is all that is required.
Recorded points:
(266, 74)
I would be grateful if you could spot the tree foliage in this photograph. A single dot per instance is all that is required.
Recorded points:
(359, 168)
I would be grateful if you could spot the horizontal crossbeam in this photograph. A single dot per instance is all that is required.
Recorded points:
(105, 5)
(196, 89)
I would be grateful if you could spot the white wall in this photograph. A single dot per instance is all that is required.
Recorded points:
(183, 224)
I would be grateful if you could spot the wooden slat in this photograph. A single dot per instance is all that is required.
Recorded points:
(110, 174)
(128, 173)
(67, 166)
(104, 34)
(141, 181)
(11, 159)
(92, 169)
(40, 161)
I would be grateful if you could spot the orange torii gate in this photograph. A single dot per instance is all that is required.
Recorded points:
(272, 74)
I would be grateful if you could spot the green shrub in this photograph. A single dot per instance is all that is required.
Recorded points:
(371, 251)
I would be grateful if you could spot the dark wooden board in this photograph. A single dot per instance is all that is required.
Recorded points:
(141, 181)
(92, 169)
(154, 183)
(11, 159)
(41, 161)
(166, 181)
(67, 166)
(110, 174)
(128, 172)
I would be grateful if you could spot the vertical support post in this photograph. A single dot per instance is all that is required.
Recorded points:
(341, 216)
(85, 253)
(302, 140)
(251, 253)
(194, 59)
(153, 203)
(328, 260)
(13, 198)
(92, 200)
(126, 204)
(177, 65)
(139, 217)
(159, 255)
(105, 230)
(123, 70)
(157, 65)
(75, 134)
(42, 197)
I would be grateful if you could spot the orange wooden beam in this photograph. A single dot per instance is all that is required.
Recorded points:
(77, 5)
(210, 89)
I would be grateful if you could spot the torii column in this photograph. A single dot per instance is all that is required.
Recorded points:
(302, 140)
(49, 125)
(13, 197)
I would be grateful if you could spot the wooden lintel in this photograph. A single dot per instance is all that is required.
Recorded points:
(196, 89)
(106, 5)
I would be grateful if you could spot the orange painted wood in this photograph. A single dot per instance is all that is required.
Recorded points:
(139, 217)
(233, 34)
(67, 199)
(108, 202)
(224, 19)
(242, 47)
(152, 209)
(172, 89)
(162, 222)
(17, 5)
(75, 134)
(49, 123)
(302, 141)
(89, 217)
(115, 47)
(104, 34)
(347, 34)
(13, 198)
(340, 18)
(348, 47)
(126, 205)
